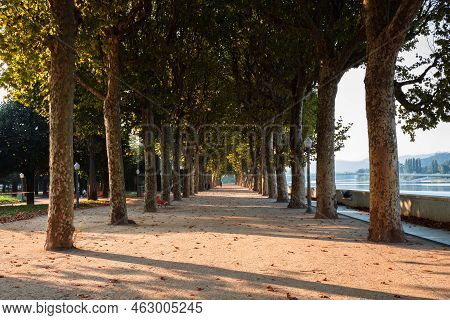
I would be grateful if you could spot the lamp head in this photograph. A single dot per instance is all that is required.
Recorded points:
(308, 143)
(76, 166)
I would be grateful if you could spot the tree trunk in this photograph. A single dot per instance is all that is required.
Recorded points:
(260, 175)
(192, 172)
(61, 86)
(254, 158)
(176, 165)
(186, 173)
(296, 145)
(271, 179)
(196, 172)
(149, 159)
(326, 188)
(280, 164)
(14, 189)
(166, 144)
(92, 187)
(385, 36)
(45, 186)
(201, 168)
(262, 167)
(36, 186)
(265, 180)
(29, 178)
(105, 184)
(111, 111)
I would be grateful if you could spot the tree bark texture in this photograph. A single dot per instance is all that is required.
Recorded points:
(196, 171)
(296, 146)
(192, 171)
(280, 164)
(271, 179)
(166, 146)
(326, 188)
(263, 169)
(254, 159)
(176, 164)
(61, 86)
(187, 173)
(385, 36)
(92, 187)
(149, 159)
(201, 167)
(111, 111)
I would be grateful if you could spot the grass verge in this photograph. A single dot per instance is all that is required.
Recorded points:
(5, 199)
(25, 212)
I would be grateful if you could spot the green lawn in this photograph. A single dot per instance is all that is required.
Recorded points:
(5, 199)
(15, 210)
(13, 213)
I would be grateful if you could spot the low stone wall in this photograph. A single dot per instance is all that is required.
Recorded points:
(420, 206)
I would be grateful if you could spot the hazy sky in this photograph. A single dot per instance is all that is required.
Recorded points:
(350, 104)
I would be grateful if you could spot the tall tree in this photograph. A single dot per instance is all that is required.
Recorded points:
(176, 164)
(149, 158)
(166, 146)
(337, 30)
(280, 164)
(104, 28)
(387, 23)
(61, 86)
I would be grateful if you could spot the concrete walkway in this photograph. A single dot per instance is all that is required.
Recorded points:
(436, 235)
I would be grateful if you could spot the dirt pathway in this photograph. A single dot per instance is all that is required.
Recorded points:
(227, 243)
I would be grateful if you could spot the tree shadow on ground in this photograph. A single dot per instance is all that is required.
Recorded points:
(265, 219)
(197, 272)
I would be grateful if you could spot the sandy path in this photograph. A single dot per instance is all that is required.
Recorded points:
(227, 243)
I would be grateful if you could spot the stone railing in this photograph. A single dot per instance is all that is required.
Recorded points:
(421, 206)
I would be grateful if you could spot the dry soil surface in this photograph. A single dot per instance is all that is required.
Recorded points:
(227, 243)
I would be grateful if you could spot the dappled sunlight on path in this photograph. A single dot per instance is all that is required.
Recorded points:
(227, 243)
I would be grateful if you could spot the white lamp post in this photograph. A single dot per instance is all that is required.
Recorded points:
(76, 166)
(22, 176)
(308, 145)
(137, 181)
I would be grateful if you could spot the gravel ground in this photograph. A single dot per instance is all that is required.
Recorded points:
(227, 243)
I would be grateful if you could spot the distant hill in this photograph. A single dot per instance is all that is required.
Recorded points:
(343, 166)
(440, 157)
(402, 159)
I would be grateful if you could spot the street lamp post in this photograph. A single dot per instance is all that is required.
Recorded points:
(308, 145)
(22, 176)
(76, 166)
(137, 181)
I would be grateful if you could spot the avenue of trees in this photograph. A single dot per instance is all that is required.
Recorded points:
(215, 87)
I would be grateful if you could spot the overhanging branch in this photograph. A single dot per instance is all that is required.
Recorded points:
(89, 88)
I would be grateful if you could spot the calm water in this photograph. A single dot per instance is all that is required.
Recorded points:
(433, 186)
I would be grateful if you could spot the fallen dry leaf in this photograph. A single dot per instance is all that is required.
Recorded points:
(288, 295)
(270, 288)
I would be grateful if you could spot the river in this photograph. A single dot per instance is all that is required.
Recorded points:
(433, 185)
